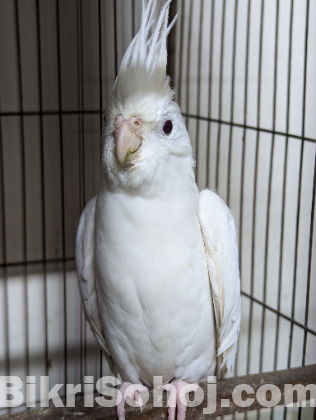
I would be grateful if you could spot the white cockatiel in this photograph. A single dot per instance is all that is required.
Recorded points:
(157, 261)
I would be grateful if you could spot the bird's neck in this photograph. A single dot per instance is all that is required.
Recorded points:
(169, 181)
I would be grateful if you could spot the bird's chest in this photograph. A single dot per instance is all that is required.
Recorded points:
(148, 249)
(152, 282)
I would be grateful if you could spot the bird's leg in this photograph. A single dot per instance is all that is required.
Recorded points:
(177, 400)
(121, 402)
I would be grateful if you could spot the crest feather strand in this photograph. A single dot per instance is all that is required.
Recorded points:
(143, 67)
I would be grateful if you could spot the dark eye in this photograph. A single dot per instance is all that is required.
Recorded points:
(167, 127)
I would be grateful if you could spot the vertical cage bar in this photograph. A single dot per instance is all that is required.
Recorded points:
(81, 148)
(101, 120)
(218, 142)
(298, 213)
(243, 153)
(280, 272)
(188, 65)
(209, 105)
(198, 98)
(115, 36)
(171, 43)
(255, 191)
(254, 206)
(100, 64)
(231, 128)
(133, 18)
(5, 309)
(244, 137)
(81, 158)
(231, 131)
(43, 204)
(181, 54)
(61, 142)
(23, 193)
(232, 103)
(267, 231)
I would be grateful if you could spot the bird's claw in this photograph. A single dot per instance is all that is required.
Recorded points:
(176, 401)
(120, 409)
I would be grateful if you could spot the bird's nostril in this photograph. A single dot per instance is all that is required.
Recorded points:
(118, 119)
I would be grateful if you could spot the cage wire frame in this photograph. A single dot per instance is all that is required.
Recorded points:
(179, 68)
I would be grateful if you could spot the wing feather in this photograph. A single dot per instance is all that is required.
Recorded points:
(219, 234)
(86, 275)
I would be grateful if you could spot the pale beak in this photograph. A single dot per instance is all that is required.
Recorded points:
(127, 139)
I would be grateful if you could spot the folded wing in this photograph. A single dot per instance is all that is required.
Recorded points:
(219, 234)
(86, 275)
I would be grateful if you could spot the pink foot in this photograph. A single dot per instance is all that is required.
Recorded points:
(120, 403)
(177, 400)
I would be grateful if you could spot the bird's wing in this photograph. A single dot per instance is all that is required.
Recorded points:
(219, 234)
(86, 275)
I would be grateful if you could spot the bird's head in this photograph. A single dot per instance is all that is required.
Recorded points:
(145, 138)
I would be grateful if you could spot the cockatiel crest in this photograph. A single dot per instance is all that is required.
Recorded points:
(142, 73)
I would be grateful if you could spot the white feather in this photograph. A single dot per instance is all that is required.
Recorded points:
(219, 235)
(86, 275)
(143, 68)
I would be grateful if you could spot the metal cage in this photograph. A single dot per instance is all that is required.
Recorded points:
(243, 72)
